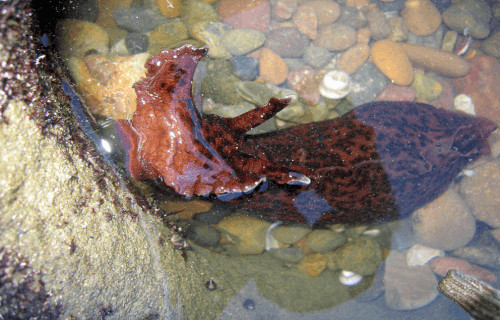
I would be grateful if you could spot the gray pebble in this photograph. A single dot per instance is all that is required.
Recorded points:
(138, 19)
(136, 43)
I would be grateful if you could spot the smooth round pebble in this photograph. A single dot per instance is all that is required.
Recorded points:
(353, 58)
(392, 60)
(481, 193)
(287, 42)
(246, 68)
(241, 41)
(327, 11)
(446, 223)
(421, 17)
(324, 240)
(317, 57)
(336, 37)
(272, 68)
(136, 43)
(408, 288)
(138, 19)
(78, 37)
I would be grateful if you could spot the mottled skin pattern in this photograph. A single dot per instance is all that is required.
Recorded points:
(380, 161)
(165, 140)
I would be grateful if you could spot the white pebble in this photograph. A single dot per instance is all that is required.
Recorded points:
(349, 278)
(335, 85)
(464, 103)
(418, 255)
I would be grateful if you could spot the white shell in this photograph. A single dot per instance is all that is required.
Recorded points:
(418, 255)
(464, 103)
(335, 85)
(349, 278)
(271, 242)
(372, 232)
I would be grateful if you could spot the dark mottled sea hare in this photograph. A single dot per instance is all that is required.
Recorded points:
(380, 161)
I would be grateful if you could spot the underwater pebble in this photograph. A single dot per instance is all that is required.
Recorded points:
(378, 24)
(284, 9)
(317, 57)
(303, 81)
(426, 87)
(246, 68)
(487, 256)
(76, 38)
(136, 43)
(390, 6)
(336, 37)
(368, 82)
(290, 234)
(335, 85)
(446, 223)
(481, 193)
(219, 84)
(418, 255)
(323, 241)
(327, 11)
(348, 278)
(464, 103)
(313, 264)
(445, 99)
(439, 61)
(289, 255)
(287, 42)
(471, 14)
(353, 18)
(194, 12)
(392, 61)
(408, 288)
(399, 31)
(204, 235)
(353, 58)
(170, 8)
(241, 41)
(492, 45)
(306, 21)
(362, 256)
(442, 265)
(167, 36)
(138, 19)
(106, 84)
(272, 68)
(212, 33)
(433, 40)
(421, 17)
(449, 41)
(247, 233)
(246, 14)
(397, 93)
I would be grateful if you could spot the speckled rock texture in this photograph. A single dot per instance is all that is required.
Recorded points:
(74, 241)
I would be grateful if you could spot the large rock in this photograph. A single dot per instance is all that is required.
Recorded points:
(481, 193)
(407, 287)
(442, 62)
(446, 223)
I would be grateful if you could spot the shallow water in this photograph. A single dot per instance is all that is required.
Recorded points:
(269, 271)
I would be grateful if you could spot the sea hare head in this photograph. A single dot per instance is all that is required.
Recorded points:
(179, 64)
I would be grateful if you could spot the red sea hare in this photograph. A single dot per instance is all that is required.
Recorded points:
(380, 161)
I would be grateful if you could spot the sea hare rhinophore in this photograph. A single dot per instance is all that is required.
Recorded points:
(380, 161)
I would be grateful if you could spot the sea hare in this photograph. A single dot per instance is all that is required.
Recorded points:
(380, 161)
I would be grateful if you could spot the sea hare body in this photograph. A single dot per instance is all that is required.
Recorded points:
(380, 161)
